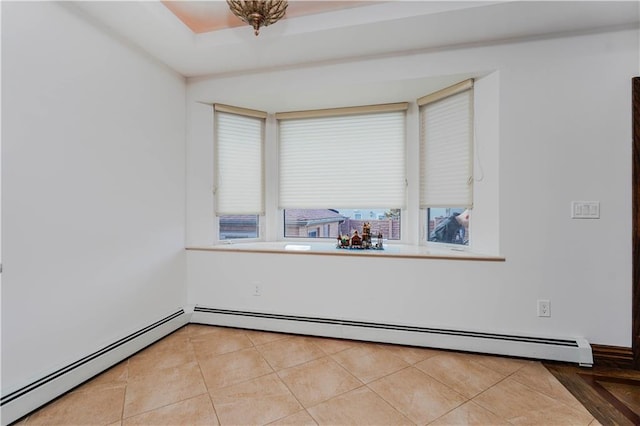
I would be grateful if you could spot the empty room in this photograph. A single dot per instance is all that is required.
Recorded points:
(320, 212)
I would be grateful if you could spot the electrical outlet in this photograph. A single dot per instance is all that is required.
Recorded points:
(257, 288)
(544, 308)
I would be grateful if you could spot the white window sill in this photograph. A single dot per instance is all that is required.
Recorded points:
(329, 249)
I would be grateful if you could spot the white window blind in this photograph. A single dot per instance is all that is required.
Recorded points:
(446, 142)
(354, 159)
(239, 173)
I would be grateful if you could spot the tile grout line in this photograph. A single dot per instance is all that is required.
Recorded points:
(296, 398)
(277, 373)
(491, 387)
(167, 368)
(362, 384)
(522, 384)
(334, 396)
(440, 381)
(389, 403)
(213, 406)
(124, 398)
(274, 371)
(413, 365)
(384, 399)
(452, 409)
(471, 399)
(326, 355)
(282, 381)
(553, 396)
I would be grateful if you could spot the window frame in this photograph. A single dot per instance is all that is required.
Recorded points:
(414, 226)
(405, 107)
(424, 238)
(453, 90)
(219, 240)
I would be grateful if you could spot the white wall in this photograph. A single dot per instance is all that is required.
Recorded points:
(564, 134)
(93, 190)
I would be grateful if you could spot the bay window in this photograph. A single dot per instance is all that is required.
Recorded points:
(336, 169)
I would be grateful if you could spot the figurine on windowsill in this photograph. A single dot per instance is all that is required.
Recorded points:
(356, 240)
(343, 241)
(366, 235)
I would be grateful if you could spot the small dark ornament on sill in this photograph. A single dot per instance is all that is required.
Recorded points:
(357, 242)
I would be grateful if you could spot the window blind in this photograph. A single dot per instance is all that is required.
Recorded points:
(352, 160)
(446, 142)
(239, 173)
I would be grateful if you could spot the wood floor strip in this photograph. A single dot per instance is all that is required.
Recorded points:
(603, 410)
(594, 382)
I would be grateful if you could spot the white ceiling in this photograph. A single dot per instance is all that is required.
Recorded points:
(368, 30)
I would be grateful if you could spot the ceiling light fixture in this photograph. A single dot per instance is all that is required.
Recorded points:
(258, 13)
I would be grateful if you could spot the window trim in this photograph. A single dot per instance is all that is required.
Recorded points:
(315, 248)
(342, 111)
(446, 92)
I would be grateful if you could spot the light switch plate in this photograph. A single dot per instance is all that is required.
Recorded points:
(585, 209)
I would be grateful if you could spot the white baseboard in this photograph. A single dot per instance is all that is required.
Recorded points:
(574, 349)
(21, 402)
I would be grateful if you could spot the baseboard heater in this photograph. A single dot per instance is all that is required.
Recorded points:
(575, 350)
(20, 402)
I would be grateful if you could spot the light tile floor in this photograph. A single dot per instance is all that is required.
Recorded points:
(205, 375)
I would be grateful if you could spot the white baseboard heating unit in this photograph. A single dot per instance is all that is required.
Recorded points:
(17, 403)
(575, 350)
(20, 402)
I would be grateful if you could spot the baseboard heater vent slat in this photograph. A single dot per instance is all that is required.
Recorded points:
(572, 350)
(27, 398)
